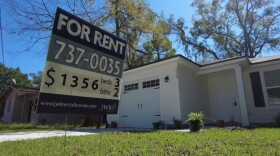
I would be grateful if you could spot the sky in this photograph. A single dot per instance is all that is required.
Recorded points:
(32, 63)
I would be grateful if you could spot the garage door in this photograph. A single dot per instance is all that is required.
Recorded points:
(140, 103)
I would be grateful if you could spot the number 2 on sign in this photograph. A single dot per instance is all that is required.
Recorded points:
(117, 87)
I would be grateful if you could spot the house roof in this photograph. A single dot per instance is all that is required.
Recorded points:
(150, 63)
(251, 60)
(28, 89)
(220, 61)
(19, 88)
(264, 59)
(203, 64)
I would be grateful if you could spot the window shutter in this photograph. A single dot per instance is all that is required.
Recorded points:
(257, 89)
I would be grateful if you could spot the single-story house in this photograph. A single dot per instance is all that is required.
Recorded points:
(240, 89)
(19, 104)
(20, 107)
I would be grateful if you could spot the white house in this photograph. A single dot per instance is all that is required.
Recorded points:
(240, 89)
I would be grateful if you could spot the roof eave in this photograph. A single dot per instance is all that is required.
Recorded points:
(263, 63)
(225, 63)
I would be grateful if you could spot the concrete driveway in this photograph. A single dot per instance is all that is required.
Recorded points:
(59, 133)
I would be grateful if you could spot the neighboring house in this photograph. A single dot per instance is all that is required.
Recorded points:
(240, 89)
(19, 104)
(20, 107)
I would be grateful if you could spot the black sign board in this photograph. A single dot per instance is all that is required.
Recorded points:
(83, 69)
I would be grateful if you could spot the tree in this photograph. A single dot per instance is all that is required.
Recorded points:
(238, 27)
(230, 28)
(134, 22)
(8, 74)
(131, 20)
(36, 78)
(160, 44)
(33, 20)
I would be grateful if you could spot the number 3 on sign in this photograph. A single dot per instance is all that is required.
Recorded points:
(117, 87)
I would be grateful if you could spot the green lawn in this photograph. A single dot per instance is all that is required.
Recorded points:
(209, 142)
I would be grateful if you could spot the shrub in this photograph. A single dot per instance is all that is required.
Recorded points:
(43, 121)
(159, 125)
(97, 124)
(114, 124)
(277, 119)
(86, 122)
(177, 123)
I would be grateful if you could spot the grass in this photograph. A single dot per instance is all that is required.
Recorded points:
(24, 127)
(210, 142)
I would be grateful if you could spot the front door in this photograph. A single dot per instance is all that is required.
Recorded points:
(225, 96)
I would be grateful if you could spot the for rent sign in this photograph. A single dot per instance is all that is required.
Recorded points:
(83, 69)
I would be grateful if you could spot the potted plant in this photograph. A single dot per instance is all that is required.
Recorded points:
(114, 124)
(155, 125)
(195, 121)
(159, 125)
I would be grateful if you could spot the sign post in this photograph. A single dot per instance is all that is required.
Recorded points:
(83, 69)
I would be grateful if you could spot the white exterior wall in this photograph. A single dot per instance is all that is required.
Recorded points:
(259, 114)
(7, 117)
(169, 93)
(193, 92)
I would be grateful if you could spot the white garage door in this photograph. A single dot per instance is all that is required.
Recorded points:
(140, 104)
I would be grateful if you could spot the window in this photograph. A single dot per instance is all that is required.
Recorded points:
(129, 87)
(152, 83)
(272, 84)
(257, 89)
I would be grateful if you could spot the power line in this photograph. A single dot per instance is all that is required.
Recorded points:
(2, 37)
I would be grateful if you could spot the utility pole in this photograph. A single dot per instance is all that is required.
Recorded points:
(2, 46)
